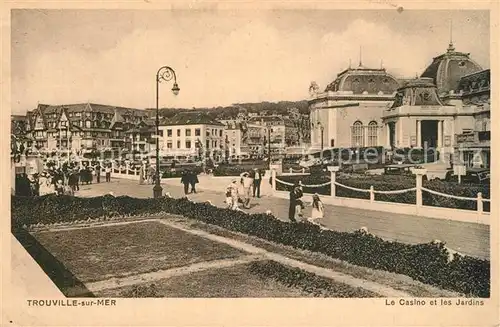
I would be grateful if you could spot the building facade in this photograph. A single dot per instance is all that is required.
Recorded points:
(191, 134)
(82, 128)
(349, 112)
(368, 107)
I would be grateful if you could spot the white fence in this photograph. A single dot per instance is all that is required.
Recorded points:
(418, 209)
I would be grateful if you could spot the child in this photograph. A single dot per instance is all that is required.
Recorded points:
(317, 210)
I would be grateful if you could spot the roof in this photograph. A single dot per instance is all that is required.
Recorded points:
(447, 69)
(191, 118)
(362, 80)
(417, 92)
(475, 82)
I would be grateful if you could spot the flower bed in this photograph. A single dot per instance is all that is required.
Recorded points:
(428, 263)
(308, 282)
(393, 183)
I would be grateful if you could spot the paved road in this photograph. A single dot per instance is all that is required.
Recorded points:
(467, 238)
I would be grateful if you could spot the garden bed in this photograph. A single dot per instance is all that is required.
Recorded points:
(394, 183)
(100, 253)
(429, 263)
(257, 279)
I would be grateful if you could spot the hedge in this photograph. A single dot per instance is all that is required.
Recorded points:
(177, 173)
(308, 282)
(392, 183)
(428, 263)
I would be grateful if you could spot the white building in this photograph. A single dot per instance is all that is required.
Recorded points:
(189, 134)
(233, 138)
(366, 107)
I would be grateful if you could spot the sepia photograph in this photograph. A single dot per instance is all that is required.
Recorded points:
(282, 154)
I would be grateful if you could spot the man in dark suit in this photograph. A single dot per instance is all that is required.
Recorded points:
(256, 175)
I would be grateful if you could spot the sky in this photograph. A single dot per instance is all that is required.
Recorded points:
(221, 57)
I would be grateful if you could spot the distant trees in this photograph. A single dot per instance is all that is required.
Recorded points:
(301, 123)
(233, 111)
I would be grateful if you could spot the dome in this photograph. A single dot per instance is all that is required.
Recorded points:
(362, 80)
(447, 69)
(417, 92)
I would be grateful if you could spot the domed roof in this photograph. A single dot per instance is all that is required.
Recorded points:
(447, 69)
(417, 92)
(362, 80)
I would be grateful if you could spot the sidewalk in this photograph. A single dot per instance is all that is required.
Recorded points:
(466, 238)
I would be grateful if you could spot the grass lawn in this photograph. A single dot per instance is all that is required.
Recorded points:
(100, 253)
(233, 282)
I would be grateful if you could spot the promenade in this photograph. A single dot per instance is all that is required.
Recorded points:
(466, 238)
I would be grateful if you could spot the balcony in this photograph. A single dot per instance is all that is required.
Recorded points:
(473, 138)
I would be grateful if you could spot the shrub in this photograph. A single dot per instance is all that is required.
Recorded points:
(177, 173)
(392, 183)
(306, 281)
(427, 263)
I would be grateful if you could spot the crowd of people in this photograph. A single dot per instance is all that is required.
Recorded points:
(241, 192)
(63, 180)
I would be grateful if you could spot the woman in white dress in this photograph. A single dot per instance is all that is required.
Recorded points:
(318, 210)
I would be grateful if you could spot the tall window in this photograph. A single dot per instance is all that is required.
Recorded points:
(178, 144)
(178, 132)
(197, 132)
(188, 131)
(169, 133)
(357, 134)
(188, 144)
(372, 133)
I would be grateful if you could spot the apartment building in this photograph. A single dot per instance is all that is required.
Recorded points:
(81, 128)
(191, 134)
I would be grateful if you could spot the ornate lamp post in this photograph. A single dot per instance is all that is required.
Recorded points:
(165, 74)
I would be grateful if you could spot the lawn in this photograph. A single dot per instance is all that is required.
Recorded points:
(100, 253)
(232, 282)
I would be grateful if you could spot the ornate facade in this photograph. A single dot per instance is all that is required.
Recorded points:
(349, 112)
(81, 128)
(368, 107)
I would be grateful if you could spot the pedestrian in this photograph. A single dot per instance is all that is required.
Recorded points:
(98, 172)
(59, 187)
(299, 204)
(257, 179)
(246, 182)
(292, 204)
(141, 175)
(185, 181)
(151, 174)
(193, 180)
(232, 190)
(77, 179)
(317, 210)
(108, 173)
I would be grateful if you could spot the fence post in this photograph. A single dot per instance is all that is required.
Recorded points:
(127, 167)
(419, 173)
(273, 179)
(333, 171)
(291, 170)
(303, 170)
(480, 203)
(372, 194)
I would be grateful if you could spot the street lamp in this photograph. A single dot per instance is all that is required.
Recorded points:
(165, 74)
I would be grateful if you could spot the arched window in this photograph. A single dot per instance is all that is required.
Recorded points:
(357, 134)
(372, 133)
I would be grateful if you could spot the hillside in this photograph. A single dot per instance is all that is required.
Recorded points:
(232, 111)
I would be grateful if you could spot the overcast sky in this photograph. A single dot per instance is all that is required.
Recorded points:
(220, 57)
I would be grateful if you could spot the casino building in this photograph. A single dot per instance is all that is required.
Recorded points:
(446, 108)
